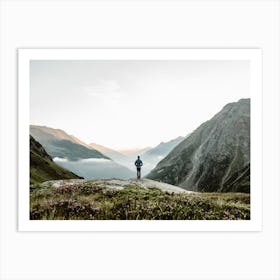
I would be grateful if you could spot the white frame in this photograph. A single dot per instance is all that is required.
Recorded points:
(253, 55)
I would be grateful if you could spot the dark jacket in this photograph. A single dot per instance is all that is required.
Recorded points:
(138, 163)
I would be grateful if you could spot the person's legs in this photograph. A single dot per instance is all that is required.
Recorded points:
(138, 173)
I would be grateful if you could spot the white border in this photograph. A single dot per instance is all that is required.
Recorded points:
(253, 55)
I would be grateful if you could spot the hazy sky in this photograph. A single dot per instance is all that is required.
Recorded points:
(128, 104)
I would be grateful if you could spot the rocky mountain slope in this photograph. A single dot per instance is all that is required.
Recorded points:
(215, 157)
(42, 167)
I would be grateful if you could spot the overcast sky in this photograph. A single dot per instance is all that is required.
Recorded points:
(129, 104)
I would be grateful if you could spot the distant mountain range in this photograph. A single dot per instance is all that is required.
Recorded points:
(215, 157)
(164, 148)
(150, 156)
(42, 167)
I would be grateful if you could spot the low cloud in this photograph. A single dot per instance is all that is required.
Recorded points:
(85, 160)
(58, 159)
(97, 160)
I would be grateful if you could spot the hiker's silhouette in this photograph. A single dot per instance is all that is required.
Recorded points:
(138, 163)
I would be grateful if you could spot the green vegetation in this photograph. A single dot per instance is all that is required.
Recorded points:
(42, 167)
(45, 170)
(93, 201)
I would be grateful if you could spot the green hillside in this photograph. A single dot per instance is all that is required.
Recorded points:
(42, 167)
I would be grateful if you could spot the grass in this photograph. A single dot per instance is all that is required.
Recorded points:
(90, 201)
(43, 169)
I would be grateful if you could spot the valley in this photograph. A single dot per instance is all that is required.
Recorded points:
(94, 161)
(203, 175)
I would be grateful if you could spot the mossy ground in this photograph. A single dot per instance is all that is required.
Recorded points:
(89, 201)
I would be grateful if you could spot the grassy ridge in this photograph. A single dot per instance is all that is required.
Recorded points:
(42, 167)
(91, 201)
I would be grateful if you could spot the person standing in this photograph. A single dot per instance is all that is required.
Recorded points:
(138, 163)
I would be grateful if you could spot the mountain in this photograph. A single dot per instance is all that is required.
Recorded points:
(59, 144)
(42, 167)
(213, 158)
